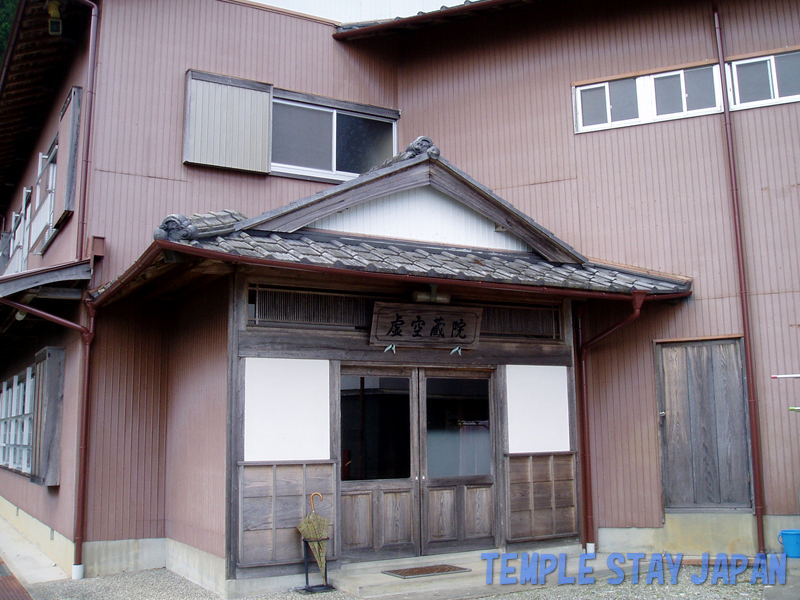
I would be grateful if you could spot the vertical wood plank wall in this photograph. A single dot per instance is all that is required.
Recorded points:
(653, 196)
(127, 431)
(197, 400)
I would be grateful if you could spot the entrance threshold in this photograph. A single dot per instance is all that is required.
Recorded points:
(366, 580)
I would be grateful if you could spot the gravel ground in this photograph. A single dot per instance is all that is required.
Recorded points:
(160, 584)
(683, 590)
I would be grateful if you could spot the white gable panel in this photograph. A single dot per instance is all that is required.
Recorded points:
(423, 215)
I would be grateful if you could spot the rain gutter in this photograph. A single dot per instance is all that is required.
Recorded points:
(584, 447)
(752, 400)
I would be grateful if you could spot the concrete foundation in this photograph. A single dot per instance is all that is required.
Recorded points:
(106, 558)
(197, 566)
(56, 546)
(691, 534)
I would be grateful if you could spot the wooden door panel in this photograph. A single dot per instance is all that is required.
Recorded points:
(357, 520)
(398, 517)
(442, 503)
(479, 511)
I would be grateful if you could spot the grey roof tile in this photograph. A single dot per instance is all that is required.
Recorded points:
(442, 262)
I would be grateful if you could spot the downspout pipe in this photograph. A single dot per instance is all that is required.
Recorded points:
(752, 400)
(584, 447)
(83, 454)
(87, 130)
(87, 335)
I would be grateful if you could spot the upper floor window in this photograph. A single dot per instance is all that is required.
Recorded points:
(648, 98)
(764, 80)
(250, 126)
(41, 223)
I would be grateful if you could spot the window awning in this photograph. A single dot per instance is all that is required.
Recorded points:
(27, 280)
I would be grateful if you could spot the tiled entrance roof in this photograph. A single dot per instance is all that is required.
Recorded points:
(356, 253)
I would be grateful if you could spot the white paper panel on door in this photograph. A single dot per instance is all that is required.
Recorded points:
(538, 409)
(286, 409)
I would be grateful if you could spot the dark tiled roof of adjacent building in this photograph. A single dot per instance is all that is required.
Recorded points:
(468, 8)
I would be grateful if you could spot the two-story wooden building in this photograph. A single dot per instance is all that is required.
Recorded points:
(489, 275)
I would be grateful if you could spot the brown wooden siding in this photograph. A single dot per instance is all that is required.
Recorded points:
(654, 196)
(138, 176)
(126, 476)
(197, 392)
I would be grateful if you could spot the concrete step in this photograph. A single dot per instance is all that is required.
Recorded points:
(366, 580)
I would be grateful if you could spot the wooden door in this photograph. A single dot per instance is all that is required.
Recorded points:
(457, 465)
(702, 395)
(418, 462)
(379, 463)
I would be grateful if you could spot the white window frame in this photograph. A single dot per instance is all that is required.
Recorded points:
(45, 202)
(685, 113)
(20, 231)
(17, 407)
(731, 73)
(609, 124)
(646, 100)
(325, 174)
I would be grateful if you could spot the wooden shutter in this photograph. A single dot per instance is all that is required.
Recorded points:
(46, 446)
(67, 176)
(704, 425)
(227, 122)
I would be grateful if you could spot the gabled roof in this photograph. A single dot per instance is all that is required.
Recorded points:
(420, 165)
(281, 238)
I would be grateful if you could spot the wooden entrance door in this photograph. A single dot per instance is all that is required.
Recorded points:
(456, 461)
(418, 462)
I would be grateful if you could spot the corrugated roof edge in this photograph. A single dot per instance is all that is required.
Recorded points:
(349, 31)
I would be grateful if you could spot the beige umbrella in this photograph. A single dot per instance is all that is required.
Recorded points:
(314, 528)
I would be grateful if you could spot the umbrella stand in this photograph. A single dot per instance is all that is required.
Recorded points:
(313, 529)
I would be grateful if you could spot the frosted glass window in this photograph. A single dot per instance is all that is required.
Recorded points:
(302, 136)
(700, 88)
(669, 94)
(594, 110)
(754, 81)
(458, 435)
(787, 67)
(623, 100)
(648, 98)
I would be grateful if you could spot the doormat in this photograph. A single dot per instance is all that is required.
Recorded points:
(426, 571)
